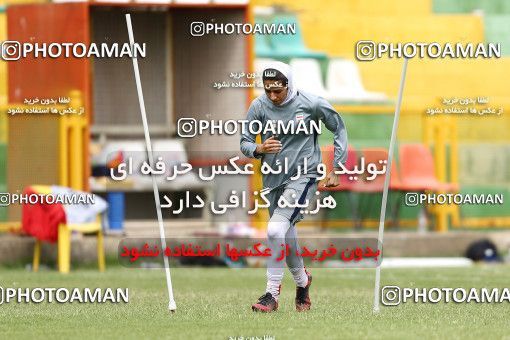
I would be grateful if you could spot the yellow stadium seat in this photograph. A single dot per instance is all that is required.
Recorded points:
(64, 240)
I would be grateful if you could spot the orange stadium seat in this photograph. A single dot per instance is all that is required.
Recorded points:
(328, 154)
(372, 155)
(417, 170)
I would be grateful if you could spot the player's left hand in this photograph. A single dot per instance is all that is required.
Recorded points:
(332, 180)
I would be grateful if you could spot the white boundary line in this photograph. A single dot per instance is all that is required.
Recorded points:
(386, 185)
(171, 305)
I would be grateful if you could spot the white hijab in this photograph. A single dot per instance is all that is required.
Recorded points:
(285, 70)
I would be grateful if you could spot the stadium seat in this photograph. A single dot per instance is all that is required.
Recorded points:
(451, 6)
(262, 46)
(370, 191)
(372, 155)
(396, 187)
(417, 170)
(291, 45)
(497, 30)
(328, 155)
(64, 240)
(64, 245)
(465, 6)
(307, 75)
(344, 83)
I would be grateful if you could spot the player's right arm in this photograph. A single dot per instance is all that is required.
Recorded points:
(249, 146)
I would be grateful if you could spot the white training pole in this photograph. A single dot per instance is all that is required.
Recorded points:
(386, 185)
(171, 305)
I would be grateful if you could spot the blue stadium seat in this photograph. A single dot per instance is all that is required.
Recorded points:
(292, 45)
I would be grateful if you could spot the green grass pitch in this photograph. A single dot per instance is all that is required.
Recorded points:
(214, 303)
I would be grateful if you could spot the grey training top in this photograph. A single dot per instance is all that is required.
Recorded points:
(295, 147)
